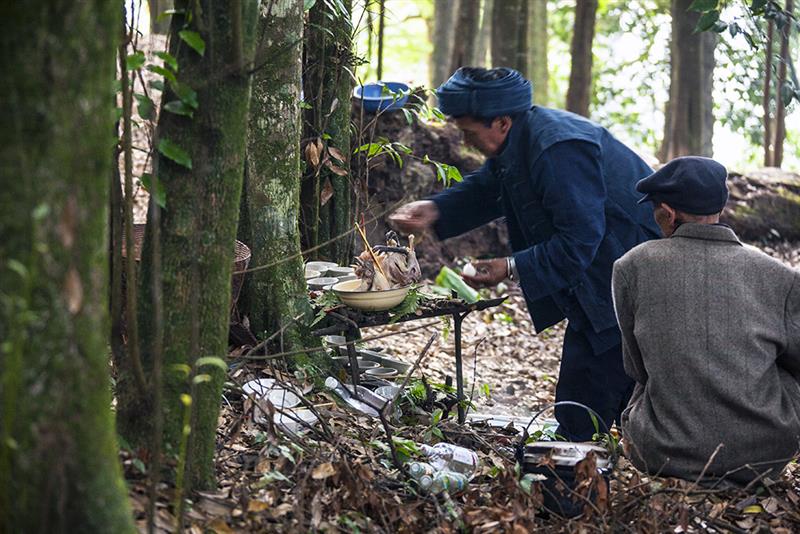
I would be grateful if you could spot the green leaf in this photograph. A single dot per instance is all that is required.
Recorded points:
(179, 107)
(181, 368)
(167, 74)
(212, 360)
(194, 40)
(18, 268)
(134, 61)
(187, 95)
(305, 105)
(787, 92)
(436, 431)
(757, 6)
(154, 186)
(308, 4)
(453, 174)
(169, 12)
(706, 21)
(409, 117)
(733, 29)
(436, 416)
(169, 59)
(139, 465)
(172, 151)
(703, 5)
(200, 379)
(40, 211)
(145, 106)
(719, 27)
(158, 85)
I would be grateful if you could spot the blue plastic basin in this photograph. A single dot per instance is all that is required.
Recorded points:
(381, 96)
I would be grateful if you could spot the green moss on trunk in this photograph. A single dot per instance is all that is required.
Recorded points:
(198, 228)
(328, 54)
(276, 297)
(59, 470)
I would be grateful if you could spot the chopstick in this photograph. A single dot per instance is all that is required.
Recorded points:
(369, 248)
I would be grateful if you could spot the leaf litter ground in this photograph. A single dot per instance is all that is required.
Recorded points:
(339, 474)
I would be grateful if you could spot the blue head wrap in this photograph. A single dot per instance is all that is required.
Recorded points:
(477, 96)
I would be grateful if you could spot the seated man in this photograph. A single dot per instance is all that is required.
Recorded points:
(711, 335)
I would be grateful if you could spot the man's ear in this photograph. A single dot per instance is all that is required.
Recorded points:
(670, 212)
(504, 123)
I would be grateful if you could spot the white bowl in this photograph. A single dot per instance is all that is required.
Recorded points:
(340, 272)
(323, 282)
(381, 372)
(312, 274)
(320, 266)
(369, 300)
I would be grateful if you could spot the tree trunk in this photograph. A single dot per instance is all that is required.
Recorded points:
(381, 27)
(59, 470)
(521, 63)
(780, 108)
(467, 21)
(769, 157)
(156, 8)
(505, 32)
(327, 88)
(484, 45)
(579, 93)
(537, 45)
(445, 15)
(690, 124)
(198, 228)
(276, 296)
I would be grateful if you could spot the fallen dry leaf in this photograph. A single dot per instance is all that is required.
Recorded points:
(323, 471)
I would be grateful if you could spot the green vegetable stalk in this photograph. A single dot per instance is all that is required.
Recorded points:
(452, 280)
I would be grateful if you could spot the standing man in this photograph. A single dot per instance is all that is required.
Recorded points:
(566, 189)
(711, 334)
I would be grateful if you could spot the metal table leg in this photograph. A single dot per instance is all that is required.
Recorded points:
(457, 318)
(350, 336)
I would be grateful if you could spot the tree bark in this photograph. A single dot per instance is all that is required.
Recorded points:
(464, 45)
(521, 63)
(59, 470)
(780, 108)
(156, 8)
(445, 15)
(768, 153)
(505, 33)
(689, 128)
(579, 93)
(274, 297)
(537, 46)
(327, 88)
(198, 228)
(484, 44)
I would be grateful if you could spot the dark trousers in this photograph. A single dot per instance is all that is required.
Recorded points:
(596, 380)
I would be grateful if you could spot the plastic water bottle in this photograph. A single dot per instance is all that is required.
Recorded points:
(449, 457)
(418, 469)
(448, 481)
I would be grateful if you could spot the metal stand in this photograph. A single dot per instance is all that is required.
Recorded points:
(348, 322)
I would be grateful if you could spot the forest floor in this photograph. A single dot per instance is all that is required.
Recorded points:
(339, 474)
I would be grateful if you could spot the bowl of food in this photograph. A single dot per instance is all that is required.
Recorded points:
(348, 292)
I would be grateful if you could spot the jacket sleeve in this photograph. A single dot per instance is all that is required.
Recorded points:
(790, 359)
(624, 297)
(569, 182)
(468, 204)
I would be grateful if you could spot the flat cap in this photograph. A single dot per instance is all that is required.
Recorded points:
(690, 184)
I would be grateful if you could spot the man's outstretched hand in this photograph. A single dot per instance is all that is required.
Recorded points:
(415, 217)
(489, 273)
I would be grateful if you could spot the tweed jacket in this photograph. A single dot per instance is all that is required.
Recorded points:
(711, 335)
(565, 186)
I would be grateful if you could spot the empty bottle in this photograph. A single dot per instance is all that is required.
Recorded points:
(418, 469)
(446, 456)
(448, 481)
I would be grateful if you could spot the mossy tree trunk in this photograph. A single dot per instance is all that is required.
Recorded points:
(537, 45)
(59, 470)
(198, 226)
(327, 195)
(276, 298)
(506, 37)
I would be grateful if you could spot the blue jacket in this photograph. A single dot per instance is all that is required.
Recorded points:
(566, 189)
